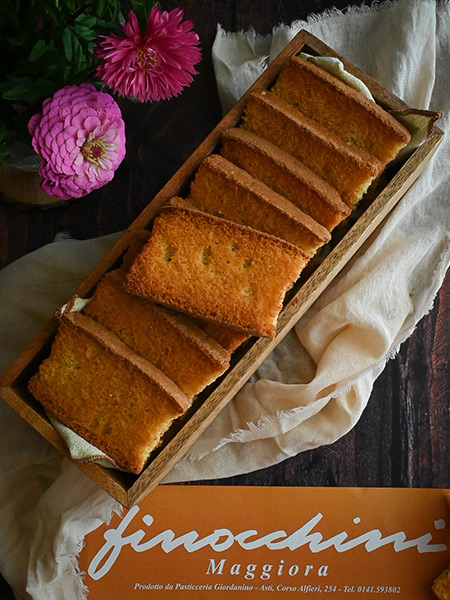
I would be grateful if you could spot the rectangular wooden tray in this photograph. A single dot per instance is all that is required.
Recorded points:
(128, 489)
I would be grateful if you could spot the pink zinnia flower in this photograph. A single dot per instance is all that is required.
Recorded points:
(153, 65)
(80, 135)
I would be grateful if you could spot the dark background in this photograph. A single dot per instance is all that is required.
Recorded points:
(403, 436)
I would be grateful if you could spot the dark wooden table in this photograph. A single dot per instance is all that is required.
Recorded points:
(403, 436)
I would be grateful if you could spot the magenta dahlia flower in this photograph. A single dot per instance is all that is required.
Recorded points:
(80, 135)
(154, 65)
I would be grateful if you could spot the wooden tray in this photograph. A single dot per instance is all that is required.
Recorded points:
(126, 488)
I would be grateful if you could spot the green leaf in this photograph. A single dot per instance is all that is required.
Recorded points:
(88, 21)
(16, 93)
(101, 7)
(84, 32)
(67, 75)
(78, 58)
(68, 43)
(38, 50)
(26, 89)
(142, 9)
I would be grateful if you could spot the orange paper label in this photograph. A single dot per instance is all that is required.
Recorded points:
(250, 542)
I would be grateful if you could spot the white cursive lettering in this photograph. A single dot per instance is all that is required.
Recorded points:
(222, 539)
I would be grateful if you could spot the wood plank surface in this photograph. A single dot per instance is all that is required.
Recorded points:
(403, 436)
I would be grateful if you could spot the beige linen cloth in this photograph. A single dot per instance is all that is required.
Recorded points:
(315, 385)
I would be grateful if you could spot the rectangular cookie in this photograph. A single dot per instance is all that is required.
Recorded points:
(216, 269)
(342, 109)
(223, 189)
(286, 175)
(346, 167)
(168, 339)
(95, 385)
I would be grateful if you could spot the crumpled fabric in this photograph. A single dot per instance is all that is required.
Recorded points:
(313, 388)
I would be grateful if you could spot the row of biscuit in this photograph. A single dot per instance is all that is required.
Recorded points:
(217, 263)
